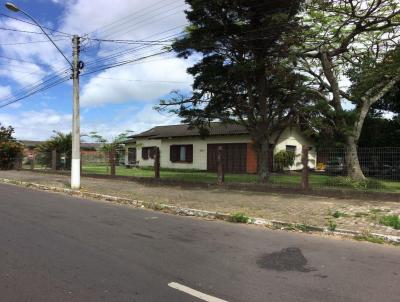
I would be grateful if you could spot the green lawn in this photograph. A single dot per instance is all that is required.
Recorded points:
(316, 180)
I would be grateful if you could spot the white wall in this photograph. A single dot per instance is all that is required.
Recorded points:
(199, 149)
(289, 137)
(294, 137)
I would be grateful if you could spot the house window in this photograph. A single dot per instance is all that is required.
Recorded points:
(291, 148)
(181, 153)
(148, 152)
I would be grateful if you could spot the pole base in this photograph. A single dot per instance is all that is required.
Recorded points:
(76, 174)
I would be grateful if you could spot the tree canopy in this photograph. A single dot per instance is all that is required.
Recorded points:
(245, 73)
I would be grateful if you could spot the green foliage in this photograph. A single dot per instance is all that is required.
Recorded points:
(391, 220)
(338, 214)
(347, 182)
(10, 149)
(284, 159)
(332, 225)
(108, 146)
(246, 72)
(370, 238)
(357, 40)
(62, 143)
(239, 218)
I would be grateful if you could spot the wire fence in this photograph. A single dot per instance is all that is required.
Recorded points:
(327, 169)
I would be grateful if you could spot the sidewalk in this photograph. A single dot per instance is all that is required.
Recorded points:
(350, 214)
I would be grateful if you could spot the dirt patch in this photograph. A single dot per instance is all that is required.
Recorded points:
(289, 259)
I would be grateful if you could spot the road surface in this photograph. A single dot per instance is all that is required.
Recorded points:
(57, 248)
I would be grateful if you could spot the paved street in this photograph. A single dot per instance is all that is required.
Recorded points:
(57, 248)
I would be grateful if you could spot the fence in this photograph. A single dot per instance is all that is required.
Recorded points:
(326, 168)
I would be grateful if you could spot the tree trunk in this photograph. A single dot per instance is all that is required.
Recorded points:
(353, 165)
(263, 161)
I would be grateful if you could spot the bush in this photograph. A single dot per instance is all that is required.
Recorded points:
(284, 159)
(347, 182)
(391, 220)
(239, 218)
(9, 152)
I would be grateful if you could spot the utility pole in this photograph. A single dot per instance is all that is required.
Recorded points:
(76, 65)
(76, 143)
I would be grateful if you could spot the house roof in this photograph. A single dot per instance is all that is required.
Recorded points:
(31, 144)
(183, 130)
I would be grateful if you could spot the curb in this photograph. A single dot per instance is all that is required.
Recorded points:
(272, 224)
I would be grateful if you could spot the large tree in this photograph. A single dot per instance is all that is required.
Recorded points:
(356, 41)
(244, 71)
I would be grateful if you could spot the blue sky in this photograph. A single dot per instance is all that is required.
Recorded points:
(113, 100)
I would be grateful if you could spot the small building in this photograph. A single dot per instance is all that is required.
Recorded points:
(182, 147)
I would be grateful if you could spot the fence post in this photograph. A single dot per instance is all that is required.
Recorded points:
(112, 162)
(305, 173)
(33, 162)
(54, 160)
(220, 168)
(157, 163)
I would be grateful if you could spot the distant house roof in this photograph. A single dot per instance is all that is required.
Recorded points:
(183, 130)
(32, 144)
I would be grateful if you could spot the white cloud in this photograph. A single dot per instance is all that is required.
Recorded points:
(144, 82)
(133, 119)
(37, 125)
(5, 92)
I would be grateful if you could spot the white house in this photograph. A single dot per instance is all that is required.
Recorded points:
(184, 148)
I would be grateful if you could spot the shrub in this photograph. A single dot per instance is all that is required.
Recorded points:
(332, 226)
(284, 159)
(347, 182)
(338, 214)
(9, 152)
(391, 220)
(239, 218)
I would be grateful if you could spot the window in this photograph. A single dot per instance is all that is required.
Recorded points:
(148, 152)
(291, 148)
(181, 153)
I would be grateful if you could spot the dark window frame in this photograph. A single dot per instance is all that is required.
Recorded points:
(175, 155)
(292, 148)
(148, 152)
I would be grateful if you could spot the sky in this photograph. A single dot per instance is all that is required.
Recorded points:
(113, 100)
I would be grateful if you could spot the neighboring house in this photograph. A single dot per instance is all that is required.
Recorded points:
(184, 148)
(30, 151)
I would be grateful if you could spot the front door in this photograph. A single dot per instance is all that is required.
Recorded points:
(234, 157)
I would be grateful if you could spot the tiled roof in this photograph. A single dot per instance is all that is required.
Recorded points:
(184, 130)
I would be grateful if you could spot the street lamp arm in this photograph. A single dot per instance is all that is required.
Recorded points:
(41, 28)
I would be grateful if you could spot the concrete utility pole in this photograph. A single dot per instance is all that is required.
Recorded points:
(76, 137)
(76, 65)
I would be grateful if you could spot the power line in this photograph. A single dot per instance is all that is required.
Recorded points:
(31, 23)
(29, 42)
(26, 31)
(123, 20)
(135, 80)
(60, 81)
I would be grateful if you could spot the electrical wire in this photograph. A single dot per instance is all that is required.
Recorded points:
(59, 81)
(31, 23)
(29, 42)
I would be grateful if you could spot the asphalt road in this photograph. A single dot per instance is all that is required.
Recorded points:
(57, 248)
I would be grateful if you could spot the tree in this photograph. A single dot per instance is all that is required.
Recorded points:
(354, 40)
(110, 147)
(62, 143)
(10, 149)
(245, 74)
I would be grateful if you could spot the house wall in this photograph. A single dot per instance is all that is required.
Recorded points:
(294, 137)
(289, 137)
(199, 149)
